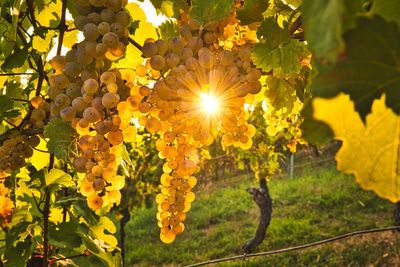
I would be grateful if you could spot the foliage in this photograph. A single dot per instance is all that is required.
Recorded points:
(314, 205)
(375, 142)
(83, 130)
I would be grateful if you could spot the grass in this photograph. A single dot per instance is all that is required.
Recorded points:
(314, 206)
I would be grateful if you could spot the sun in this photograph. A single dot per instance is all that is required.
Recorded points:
(209, 103)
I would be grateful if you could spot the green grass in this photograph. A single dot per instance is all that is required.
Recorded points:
(317, 205)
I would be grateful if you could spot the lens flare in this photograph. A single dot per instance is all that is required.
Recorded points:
(209, 103)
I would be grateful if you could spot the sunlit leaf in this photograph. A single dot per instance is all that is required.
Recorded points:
(369, 69)
(58, 177)
(370, 151)
(42, 45)
(98, 230)
(40, 159)
(205, 11)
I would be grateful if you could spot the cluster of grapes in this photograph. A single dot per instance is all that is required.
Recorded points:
(6, 204)
(198, 67)
(95, 99)
(15, 149)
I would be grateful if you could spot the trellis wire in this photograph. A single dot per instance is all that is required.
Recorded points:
(284, 250)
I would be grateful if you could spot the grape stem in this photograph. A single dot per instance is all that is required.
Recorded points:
(295, 26)
(138, 46)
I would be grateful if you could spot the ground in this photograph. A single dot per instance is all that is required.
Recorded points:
(317, 204)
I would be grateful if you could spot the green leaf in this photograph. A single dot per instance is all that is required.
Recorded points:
(61, 136)
(252, 11)
(58, 177)
(204, 11)
(369, 69)
(17, 58)
(64, 235)
(323, 26)
(167, 30)
(313, 130)
(280, 93)
(7, 108)
(276, 50)
(388, 9)
(283, 60)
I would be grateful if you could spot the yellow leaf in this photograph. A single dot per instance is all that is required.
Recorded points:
(370, 152)
(40, 44)
(146, 29)
(39, 160)
(48, 13)
(70, 37)
(105, 224)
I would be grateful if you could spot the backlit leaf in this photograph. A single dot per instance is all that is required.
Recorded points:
(369, 69)
(98, 231)
(205, 11)
(370, 151)
(60, 136)
(252, 11)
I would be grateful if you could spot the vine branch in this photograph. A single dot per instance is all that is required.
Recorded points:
(313, 244)
(295, 26)
(62, 27)
(138, 46)
(46, 214)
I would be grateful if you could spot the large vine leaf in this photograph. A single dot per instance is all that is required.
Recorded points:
(277, 51)
(389, 9)
(60, 134)
(205, 11)
(252, 11)
(371, 66)
(370, 151)
(322, 22)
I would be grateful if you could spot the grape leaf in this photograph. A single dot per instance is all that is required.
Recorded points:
(167, 30)
(323, 26)
(7, 109)
(324, 23)
(16, 59)
(60, 136)
(252, 11)
(64, 235)
(49, 14)
(204, 11)
(276, 50)
(146, 29)
(105, 224)
(42, 44)
(58, 177)
(282, 59)
(314, 131)
(370, 151)
(369, 69)
(280, 93)
(70, 37)
(40, 159)
(388, 9)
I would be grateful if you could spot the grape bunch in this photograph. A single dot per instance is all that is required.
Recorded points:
(202, 92)
(96, 99)
(15, 149)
